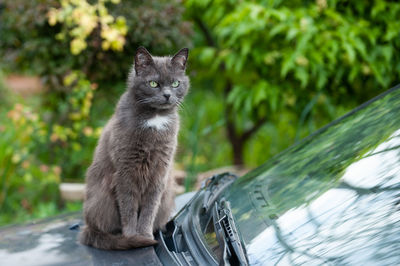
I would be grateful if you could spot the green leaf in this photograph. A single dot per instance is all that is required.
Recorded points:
(287, 65)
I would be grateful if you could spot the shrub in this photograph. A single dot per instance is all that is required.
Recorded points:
(274, 60)
(34, 153)
(27, 183)
(48, 41)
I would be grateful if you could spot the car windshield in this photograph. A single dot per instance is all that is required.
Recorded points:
(332, 198)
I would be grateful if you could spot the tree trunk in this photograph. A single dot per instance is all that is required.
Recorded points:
(236, 140)
(238, 146)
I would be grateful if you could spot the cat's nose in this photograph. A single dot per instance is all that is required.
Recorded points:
(167, 95)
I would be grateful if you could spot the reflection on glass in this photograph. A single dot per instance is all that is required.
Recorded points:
(332, 199)
(212, 241)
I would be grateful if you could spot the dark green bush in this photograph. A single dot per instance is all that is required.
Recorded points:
(298, 61)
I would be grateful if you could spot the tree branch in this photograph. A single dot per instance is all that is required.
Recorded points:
(247, 134)
(230, 124)
(207, 34)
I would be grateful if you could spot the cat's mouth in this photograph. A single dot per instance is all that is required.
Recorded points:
(164, 105)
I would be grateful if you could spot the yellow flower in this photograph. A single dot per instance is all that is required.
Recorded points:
(16, 158)
(70, 78)
(57, 170)
(88, 131)
(88, 23)
(52, 16)
(322, 4)
(77, 45)
(105, 45)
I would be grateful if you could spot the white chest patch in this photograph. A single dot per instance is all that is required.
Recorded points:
(158, 122)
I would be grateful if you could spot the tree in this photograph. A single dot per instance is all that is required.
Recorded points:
(272, 56)
(75, 47)
(54, 37)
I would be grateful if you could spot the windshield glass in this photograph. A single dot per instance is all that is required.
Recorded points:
(333, 198)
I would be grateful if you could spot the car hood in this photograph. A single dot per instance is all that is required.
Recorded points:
(333, 198)
(54, 242)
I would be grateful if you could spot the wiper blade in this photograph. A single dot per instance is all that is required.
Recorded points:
(233, 252)
(213, 186)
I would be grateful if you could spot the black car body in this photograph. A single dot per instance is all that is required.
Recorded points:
(333, 198)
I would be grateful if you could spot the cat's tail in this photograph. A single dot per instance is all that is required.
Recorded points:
(101, 240)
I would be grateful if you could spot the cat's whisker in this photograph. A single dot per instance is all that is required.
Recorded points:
(180, 104)
(183, 107)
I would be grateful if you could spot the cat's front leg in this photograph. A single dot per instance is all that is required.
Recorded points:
(167, 204)
(128, 197)
(148, 210)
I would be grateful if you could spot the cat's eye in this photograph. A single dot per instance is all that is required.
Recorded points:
(175, 83)
(153, 84)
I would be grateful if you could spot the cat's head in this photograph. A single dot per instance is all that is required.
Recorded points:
(159, 82)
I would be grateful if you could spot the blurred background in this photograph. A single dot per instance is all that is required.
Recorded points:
(264, 75)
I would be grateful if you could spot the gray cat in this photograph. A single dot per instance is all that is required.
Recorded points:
(130, 193)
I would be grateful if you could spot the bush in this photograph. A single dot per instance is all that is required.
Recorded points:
(31, 44)
(40, 145)
(303, 60)
(264, 74)
(33, 153)
(26, 182)
(71, 140)
(48, 41)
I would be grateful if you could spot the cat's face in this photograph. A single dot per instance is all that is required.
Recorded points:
(160, 82)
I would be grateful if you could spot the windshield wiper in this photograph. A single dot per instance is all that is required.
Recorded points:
(233, 252)
(213, 186)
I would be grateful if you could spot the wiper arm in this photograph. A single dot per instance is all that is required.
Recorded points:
(213, 186)
(233, 252)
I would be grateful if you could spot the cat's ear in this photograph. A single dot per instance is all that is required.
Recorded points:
(180, 58)
(143, 60)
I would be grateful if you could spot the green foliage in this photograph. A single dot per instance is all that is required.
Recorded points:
(72, 139)
(335, 157)
(202, 143)
(51, 40)
(303, 58)
(27, 184)
(31, 44)
(75, 47)
(343, 144)
(4, 94)
(34, 154)
(264, 74)
(81, 18)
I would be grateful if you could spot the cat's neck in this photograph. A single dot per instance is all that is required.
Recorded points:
(131, 113)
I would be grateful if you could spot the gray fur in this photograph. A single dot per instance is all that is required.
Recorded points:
(130, 192)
